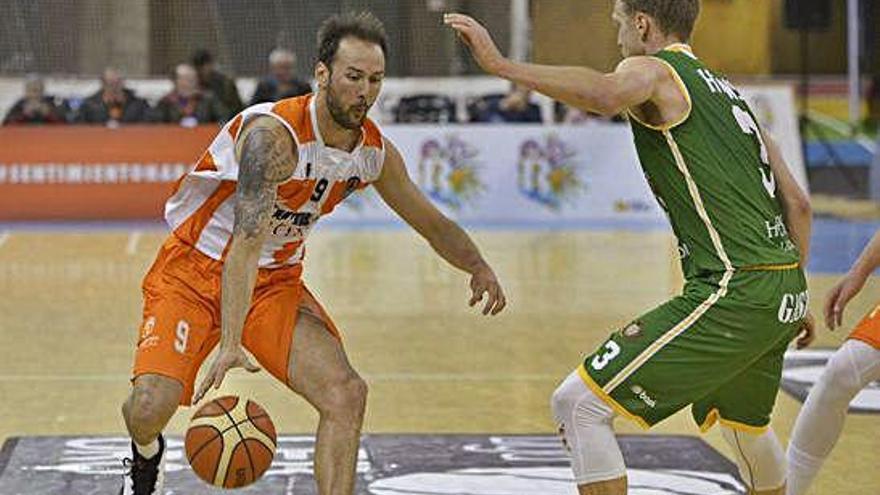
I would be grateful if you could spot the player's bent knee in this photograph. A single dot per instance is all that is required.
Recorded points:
(152, 402)
(841, 375)
(347, 398)
(585, 425)
(759, 457)
(573, 402)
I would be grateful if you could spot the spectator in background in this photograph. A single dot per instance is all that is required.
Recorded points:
(36, 107)
(282, 82)
(113, 103)
(514, 107)
(188, 105)
(210, 79)
(565, 114)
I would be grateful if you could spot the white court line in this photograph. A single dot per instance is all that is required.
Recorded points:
(133, 239)
(4, 236)
(379, 377)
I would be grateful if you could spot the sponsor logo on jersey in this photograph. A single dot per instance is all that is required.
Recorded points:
(643, 396)
(291, 224)
(147, 338)
(632, 331)
(802, 370)
(549, 172)
(386, 465)
(449, 171)
(793, 307)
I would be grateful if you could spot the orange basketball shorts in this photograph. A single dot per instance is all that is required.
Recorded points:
(868, 330)
(181, 318)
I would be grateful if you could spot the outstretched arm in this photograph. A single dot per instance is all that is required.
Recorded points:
(266, 158)
(444, 235)
(633, 83)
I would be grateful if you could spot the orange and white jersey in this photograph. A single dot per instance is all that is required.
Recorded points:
(200, 211)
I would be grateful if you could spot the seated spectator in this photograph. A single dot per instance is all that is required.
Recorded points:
(281, 83)
(421, 108)
(210, 79)
(186, 104)
(570, 115)
(113, 103)
(36, 107)
(512, 107)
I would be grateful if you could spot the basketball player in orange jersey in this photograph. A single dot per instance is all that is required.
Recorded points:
(850, 369)
(239, 221)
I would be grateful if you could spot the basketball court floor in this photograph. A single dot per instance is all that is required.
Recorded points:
(459, 403)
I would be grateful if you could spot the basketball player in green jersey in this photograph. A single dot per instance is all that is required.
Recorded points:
(742, 225)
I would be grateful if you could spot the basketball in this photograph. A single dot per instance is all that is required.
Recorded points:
(230, 442)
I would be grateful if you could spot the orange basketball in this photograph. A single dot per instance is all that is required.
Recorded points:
(230, 442)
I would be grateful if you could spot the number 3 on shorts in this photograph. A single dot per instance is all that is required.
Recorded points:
(611, 351)
(182, 335)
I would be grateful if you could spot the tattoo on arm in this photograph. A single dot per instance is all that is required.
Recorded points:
(266, 160)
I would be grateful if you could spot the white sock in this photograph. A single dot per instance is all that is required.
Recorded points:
(149, 450)
(820, 421)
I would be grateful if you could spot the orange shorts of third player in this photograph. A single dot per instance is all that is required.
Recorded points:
(868, 330)
(181, 319)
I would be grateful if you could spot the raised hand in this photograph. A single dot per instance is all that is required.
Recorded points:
(477, 39)
(838, 298)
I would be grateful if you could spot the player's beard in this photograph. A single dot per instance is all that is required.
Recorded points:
(342, 116)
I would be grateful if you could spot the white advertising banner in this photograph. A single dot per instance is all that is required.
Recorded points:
(519, 174)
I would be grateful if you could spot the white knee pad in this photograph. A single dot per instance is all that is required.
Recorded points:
(851, 368)
(584, 422)
(760, 458)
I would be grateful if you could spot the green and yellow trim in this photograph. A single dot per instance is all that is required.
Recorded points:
(684, 91)
(770, 268)
(618, 407)
(667, 337)
(680, 48)
(715, 417)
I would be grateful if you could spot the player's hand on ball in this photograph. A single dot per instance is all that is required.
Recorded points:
(839, 297)
(484, 282)
(477, 39)
(807, 334)
(225, 360)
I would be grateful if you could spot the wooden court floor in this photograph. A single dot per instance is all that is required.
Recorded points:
(70, 307)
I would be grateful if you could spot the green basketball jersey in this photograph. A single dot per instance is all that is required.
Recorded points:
(711, 174)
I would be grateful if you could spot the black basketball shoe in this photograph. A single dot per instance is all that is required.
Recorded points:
(144, 476)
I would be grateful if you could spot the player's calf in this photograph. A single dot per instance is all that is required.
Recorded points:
(820, 422)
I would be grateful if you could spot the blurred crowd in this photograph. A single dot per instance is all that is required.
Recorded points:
(201, 93)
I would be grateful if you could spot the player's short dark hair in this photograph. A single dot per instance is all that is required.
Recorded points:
(364, 26)
(201, 57)
(674, 16)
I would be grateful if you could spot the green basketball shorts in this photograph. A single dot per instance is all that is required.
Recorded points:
(717, 347)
